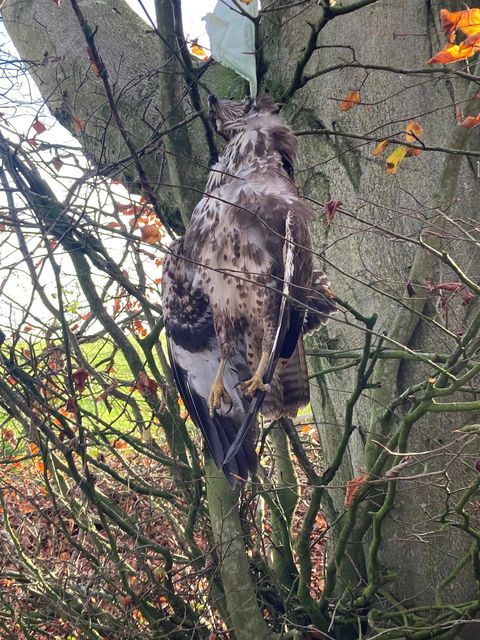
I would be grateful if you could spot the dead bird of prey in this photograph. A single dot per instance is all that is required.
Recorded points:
(237, 286)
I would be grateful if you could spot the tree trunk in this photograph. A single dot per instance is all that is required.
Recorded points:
(418, 546)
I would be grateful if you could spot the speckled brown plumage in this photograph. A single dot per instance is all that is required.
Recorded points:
(244, 268)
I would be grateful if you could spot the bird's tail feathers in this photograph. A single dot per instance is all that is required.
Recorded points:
(295, 386)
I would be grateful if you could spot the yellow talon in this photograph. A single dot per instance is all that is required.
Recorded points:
(250, 387)
(218, 393)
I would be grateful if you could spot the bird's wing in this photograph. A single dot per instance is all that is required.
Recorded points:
(195, 357)
(289, 328)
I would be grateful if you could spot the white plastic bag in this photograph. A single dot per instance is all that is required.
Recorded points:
(232, 38)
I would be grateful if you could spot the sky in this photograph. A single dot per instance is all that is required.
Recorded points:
(193, 11)
(21, 103)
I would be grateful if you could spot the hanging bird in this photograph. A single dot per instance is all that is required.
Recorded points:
(237, 286)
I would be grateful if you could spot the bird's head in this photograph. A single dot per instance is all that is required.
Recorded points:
(228, 116)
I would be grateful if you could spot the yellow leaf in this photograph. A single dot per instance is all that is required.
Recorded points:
(395, 158)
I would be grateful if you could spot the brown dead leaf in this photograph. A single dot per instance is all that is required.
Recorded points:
(146, 385)
(353, 487)
(79, 379)
(38, 126)
(57, 163)
(331, 209)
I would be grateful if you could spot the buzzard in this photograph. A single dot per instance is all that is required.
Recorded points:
(237, 287)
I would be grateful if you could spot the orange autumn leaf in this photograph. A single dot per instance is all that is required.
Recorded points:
(353, 487)
(380, 148)
(78, 124)
(395, 158)
(468, 121)
(151, 234)
(467, 21)
(34, 449)
(198, 51)
(139, 327)
(472, 42)
(350, 100)
(413, 131)
(120, 444)
(455, 52)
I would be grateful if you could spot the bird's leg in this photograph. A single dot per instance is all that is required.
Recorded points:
(218, 391)
(225, 331)
(250, 387)
(270, 303)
